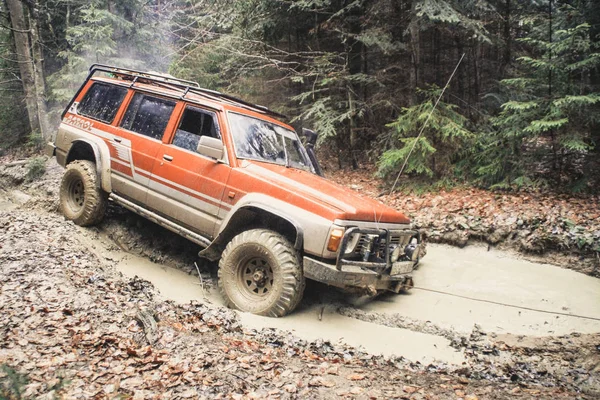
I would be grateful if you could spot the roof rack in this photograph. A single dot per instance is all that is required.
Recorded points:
(187, 86)
(153, 76)
(173, 83)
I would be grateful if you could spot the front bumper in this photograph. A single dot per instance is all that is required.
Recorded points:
(371, 259)
(352, 277)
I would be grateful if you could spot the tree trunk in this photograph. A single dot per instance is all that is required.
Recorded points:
(507, 53)
(24, 58)
(40, 84)
(415, 48)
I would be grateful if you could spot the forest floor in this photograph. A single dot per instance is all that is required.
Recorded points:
(72, 325)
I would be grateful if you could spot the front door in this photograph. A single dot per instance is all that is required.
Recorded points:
(186, 186)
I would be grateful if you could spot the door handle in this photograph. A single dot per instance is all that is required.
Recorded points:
(167, 158)
(117, 139)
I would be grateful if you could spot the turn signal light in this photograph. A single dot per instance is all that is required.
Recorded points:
(335, 238)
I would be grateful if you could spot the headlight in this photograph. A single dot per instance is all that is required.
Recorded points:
(352, 242)
(396, 253)
(410, 248)
(335, 238)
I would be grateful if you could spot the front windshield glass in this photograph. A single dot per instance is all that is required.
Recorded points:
(255, 139)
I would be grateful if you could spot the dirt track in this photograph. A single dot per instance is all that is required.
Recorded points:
(85, 287)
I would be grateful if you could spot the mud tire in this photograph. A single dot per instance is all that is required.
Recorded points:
(81, 200)
(261, 250)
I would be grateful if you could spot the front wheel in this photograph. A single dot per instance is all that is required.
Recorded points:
(81, 200)
(260, 272)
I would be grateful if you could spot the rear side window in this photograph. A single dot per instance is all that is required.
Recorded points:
(195, 123)
(148, 115)
(101, 102)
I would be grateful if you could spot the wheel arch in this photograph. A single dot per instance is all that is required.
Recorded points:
(251, 216)
(84, 149)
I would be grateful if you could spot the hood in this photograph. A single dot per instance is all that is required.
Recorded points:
(351, 205)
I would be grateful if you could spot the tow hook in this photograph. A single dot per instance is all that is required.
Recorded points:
(405, 284)
(371, 291)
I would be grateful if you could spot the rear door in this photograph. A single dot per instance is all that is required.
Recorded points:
(137, 141)
(186, 186)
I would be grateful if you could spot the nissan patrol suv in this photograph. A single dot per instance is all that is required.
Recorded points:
(231, 177)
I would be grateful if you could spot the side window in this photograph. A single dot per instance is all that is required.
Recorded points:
(195, 123)
(148, 115)
(101, 102)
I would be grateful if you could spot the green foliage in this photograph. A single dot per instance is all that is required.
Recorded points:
(13, 115)
(35, 140)
(36, 168)
(130, 34)
(454, 13)
(417, 163)
(12, 385)
(444, 140)
(548, 121)
(347, 68)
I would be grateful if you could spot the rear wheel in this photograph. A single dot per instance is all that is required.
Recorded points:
(260, 272)
(81, 200)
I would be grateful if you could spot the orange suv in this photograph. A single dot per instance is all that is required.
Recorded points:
(231, 177)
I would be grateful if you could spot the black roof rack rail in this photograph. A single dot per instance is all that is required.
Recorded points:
(154, 76)
(237, 101)
(174, 83)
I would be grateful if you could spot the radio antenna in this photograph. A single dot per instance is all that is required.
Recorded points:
(425, 124)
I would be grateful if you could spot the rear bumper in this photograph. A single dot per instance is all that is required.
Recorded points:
(355, 277)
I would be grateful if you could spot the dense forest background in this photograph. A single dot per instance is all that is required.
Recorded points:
(521, 110)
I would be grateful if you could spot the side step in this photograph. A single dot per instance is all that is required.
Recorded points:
(162, 221)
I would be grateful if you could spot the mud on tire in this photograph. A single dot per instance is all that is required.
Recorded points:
(81, 200)
(260, 272)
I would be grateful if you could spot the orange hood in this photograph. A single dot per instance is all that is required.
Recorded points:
(352, 206)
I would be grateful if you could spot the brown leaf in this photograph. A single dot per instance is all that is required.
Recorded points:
(355, 377)
(290, 388)
(409, 389)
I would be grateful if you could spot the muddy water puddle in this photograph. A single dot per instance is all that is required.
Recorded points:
(173, 284)
(495, 289)
(499, 279)
(308, 322)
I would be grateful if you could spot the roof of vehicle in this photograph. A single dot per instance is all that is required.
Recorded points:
(175, 87)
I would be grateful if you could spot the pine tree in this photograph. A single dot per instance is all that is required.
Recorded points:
(546, 125)
(129, 34)
(444, 139)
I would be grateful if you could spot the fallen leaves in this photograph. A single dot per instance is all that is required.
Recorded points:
(355, 377)
(70, 325)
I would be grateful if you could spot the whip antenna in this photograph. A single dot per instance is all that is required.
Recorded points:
(425, 124)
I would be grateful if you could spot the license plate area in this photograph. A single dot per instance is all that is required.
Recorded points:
(402, 267)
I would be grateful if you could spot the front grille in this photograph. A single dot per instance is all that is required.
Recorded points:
(397, 238)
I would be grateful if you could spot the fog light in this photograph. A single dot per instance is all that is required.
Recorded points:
(335, 238)
(410, 248)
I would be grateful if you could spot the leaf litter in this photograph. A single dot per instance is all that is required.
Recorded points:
(71, 326)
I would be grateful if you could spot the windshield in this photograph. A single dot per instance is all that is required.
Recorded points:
(255, 139)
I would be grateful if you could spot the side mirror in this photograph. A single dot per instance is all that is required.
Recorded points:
(311, 141)
(310, 135)
(211, 147)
